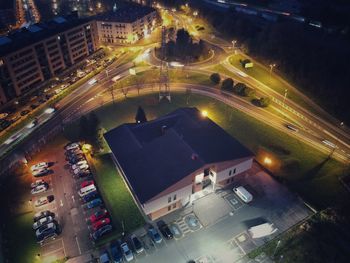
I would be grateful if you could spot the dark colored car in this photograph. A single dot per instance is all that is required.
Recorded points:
(24, 112)
(47, 231)
(137, 244)
(85, 173)
(165, 230)
(34, 106)
(90, 196)
(117, 254)
(101, 232)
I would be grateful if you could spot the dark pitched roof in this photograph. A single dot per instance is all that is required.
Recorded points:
(24, 37)
(157, 154)
(126, 13)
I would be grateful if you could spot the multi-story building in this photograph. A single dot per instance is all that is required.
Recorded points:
(166, 162)
(32, 55)
(126, 24)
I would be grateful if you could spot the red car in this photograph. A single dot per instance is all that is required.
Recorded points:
(87, 183)
(101, 223)
(98, 215)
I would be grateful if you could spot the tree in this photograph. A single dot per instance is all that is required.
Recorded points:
(140, 115)
(125, 91)
(227, 85)
(239, 88)
(215, 78)
(264, 102)
(248, 92)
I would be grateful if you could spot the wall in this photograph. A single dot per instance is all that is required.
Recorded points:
(240, 167)
(162, 202)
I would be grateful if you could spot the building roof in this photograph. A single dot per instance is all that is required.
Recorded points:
(24, 37)
(126, 13)
(157, 154)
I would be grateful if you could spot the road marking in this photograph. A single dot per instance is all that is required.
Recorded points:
(54, 241)
(53, 251)
(76, 239)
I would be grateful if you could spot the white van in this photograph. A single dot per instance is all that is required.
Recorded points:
(85, 190)
(243, 194)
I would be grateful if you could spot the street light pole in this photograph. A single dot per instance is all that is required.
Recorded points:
(285, 95)
(271, 67)
(277, 245)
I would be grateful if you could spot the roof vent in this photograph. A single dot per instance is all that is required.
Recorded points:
(194, 156)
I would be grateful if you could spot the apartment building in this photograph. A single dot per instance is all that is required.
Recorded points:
(126, 24)
(32, 55)
(166, 161)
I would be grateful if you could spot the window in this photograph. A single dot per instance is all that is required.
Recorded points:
(234, 170)
(174, 197)
(230, 172)
(174, 205)
(169, 208)
(169, 199)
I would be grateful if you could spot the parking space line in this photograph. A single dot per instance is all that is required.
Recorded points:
(54, 241)
(76, 239)
(53, 251)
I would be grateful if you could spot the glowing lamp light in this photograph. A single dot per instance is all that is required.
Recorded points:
(267, 161)
(204, 113)
(87, 147)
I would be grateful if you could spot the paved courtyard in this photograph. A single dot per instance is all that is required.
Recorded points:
(215, 228)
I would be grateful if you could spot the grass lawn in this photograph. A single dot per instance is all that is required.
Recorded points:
(306, 170)
(263, 75)
(23, 246)
(118, 199)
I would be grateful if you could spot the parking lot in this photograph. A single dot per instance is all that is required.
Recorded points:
(215, 227)
(70, 211)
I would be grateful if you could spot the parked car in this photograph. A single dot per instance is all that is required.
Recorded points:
(104, 257)
(165, 230)
(87, 183)
(81, 162)
(46, 231)
(117, 255)
(24, 112)
(78, 170)
(39, 166)
(90, 196)
(84, 173)
(101, 232)
(43, 214)
(71, 146)
(37, 183)
(80, 167)
(94, 203)
(39, 189)
(42, 221)
(34, 106)
(43, 200)
(154, 235)
(41, 172)
(75, 159)
(127, 252)
(98, 215)
(137, 244)
(100, 223)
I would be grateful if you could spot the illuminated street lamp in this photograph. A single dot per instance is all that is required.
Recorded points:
(204, 113)
(195, 13)
(271, 67)
(234, 44)
(87, 148)
(267, 161)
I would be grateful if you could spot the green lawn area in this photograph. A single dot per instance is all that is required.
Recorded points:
(306, 170)
(23, 246)
(263, 75)
(118, 199)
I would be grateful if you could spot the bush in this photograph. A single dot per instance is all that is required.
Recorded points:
(215, 78)
(227, 85)
(242, 90)
(264, 102)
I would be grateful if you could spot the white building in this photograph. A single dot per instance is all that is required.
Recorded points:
(126, 24)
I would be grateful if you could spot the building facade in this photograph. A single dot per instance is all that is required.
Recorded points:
(126, 24)
(166, 162)
(32, 55)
